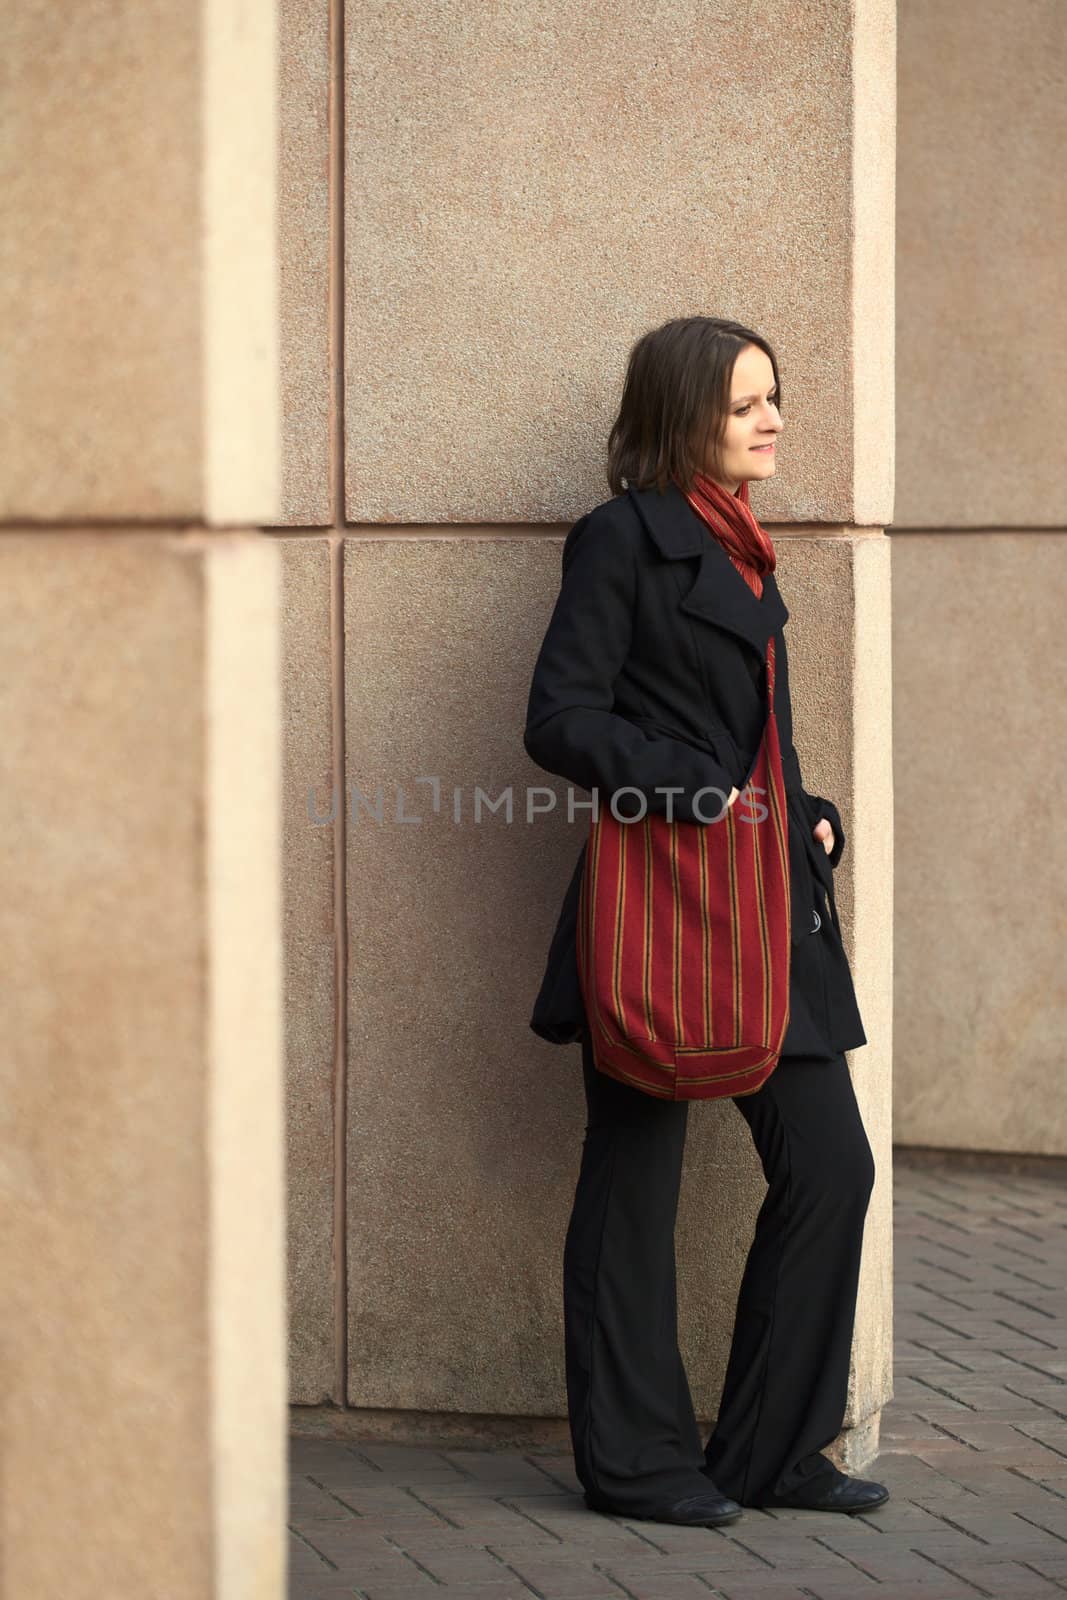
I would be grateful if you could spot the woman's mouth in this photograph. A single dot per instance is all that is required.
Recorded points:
(766, 448)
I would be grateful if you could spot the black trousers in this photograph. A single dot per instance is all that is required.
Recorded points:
(635, 1437)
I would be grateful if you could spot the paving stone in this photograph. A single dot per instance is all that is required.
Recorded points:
(465, 1565)
(1054, 1567)
(421, 1587)
(309, 1502)
(326, 1589)
(891, 1566)
(762, 1589)
(795, 1587)
(1006, 1580)
(713, 1559)
(940, 1586)
(663, 1586)
(567, 1577)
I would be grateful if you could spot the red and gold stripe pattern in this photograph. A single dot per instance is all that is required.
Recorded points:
(683, 940)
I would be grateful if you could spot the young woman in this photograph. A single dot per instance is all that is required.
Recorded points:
(651, 677)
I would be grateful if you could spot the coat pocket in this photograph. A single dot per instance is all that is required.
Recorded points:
(715, 740)
(812, 875)
(804, 890)
(824, 872)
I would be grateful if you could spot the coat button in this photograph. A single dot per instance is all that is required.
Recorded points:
(817, 923)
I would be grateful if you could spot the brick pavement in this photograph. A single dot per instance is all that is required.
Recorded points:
(974, 1450)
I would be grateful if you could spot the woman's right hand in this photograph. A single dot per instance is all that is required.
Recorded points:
(733, 796)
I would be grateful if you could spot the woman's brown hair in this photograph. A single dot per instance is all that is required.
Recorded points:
(675, 401)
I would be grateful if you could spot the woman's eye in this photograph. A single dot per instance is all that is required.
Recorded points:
(773, 399)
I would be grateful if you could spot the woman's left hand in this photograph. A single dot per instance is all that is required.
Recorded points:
(823, 831)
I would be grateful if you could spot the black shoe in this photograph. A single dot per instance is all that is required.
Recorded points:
(829, 1491)
(706, 1510)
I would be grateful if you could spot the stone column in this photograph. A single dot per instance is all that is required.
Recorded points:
(980, 577)
(141, 1155)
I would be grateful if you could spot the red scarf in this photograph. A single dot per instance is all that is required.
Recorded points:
(731, 520)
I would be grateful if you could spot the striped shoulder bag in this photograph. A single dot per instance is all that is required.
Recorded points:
(683, 940)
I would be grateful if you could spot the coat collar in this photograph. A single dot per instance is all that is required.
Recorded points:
(718, 593)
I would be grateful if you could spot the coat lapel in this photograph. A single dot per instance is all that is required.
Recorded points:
(718, 593)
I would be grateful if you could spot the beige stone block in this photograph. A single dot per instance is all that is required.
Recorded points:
(304, 259)
(464, 1130)
(981, 880)
(462, 1141)
(141, 1157)
(981, 240)
(310, 955)
(526, 193)
(867, 892)
(838, 591)
(873, 364)
(239, 292)
(139, 373)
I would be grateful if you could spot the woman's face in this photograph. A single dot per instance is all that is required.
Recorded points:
(752, 422)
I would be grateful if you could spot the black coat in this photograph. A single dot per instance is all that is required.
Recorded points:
(652, 674)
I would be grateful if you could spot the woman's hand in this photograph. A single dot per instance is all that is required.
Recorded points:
(733, 796)
(823, 831)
